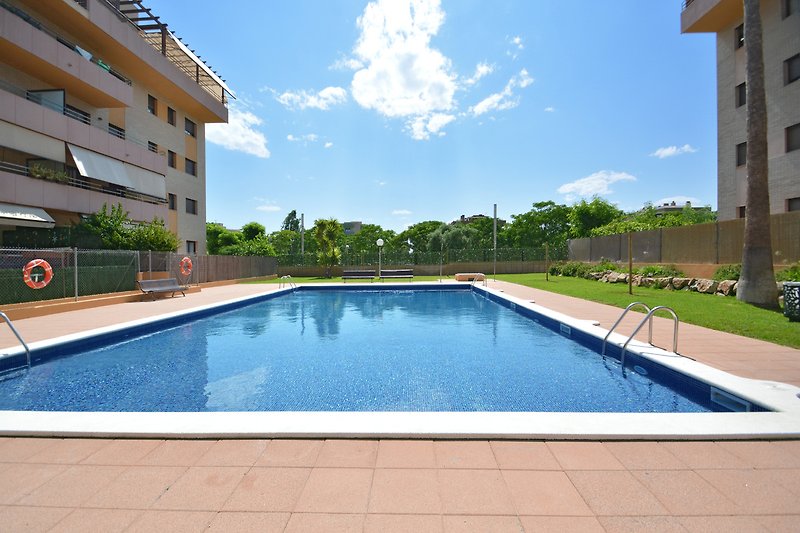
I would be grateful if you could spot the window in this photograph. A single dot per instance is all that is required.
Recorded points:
(793, 204)
(171, 159)
(78, 114)
(741, 95)
(152, 104)
(191, 206)
(793, 138)
(191, 167)
(791, 69)
(740, 211)
(173, 202)
(153, 147)
(741, 154)
(190, 128)
(191, 247)
(738, 36)
(171, 116)
(116, 131)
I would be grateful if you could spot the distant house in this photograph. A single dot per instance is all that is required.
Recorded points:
(672, 207)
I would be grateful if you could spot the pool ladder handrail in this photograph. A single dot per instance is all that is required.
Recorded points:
(19, 337)
(649, 320)
(649, 317)
(475, 279)
(287, 280)
(625, 312)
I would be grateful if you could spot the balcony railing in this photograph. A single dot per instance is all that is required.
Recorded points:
(65, 42)
(67, 175)
(686, 3)
(155, 32)
(74, 113)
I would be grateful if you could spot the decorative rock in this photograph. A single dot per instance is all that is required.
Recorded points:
(681, 283)
(706, 286)
(647, 282)
(637, 280)
(612, 277)
(727, 287)
(663, 283)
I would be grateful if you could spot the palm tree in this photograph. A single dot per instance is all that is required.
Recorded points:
(757, 281)
(327, 233)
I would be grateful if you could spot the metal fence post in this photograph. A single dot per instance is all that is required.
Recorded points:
(75, 256)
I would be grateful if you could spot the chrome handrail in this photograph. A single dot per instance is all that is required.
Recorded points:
(287, 280)
(649, 317)
(625, 312)
(19, 337)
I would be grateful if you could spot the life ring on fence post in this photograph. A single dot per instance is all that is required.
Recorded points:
(26, 274)
(186, 266)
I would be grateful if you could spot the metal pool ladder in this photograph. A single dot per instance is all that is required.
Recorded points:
(647, 319)
(475, 280)
(19, 337)
(287, 281)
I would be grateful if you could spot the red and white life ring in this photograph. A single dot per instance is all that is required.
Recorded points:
(186, 266)
(34, 284)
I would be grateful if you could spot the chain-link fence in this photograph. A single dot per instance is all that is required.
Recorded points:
(28, 275)
(400, 257)
(31, 275)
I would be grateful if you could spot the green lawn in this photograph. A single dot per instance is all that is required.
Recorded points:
(722, 313)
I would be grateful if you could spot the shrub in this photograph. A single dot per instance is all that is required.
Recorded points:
(789, 274)
(606, 264)
(574, 269)
(660, 271)
(728, 272)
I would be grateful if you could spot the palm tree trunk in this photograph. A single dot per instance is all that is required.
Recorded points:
(757, 281)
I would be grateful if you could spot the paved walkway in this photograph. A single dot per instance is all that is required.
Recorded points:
(368, 485)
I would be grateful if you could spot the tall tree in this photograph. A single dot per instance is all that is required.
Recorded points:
(757, 281)
(547, 222)
(252, 231)
(291, 222)
(585, 216)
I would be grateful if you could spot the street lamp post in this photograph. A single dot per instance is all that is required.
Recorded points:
(379, 242)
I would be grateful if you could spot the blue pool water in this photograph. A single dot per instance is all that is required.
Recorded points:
(339, 350)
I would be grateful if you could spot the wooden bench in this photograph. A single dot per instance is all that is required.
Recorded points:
(156, 286)
(358, 274)
(397, 274)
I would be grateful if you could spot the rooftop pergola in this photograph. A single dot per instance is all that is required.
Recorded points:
(169, 45)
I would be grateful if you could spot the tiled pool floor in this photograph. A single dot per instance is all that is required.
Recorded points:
(390, 485)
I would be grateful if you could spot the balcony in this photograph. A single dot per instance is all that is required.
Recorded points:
(709, 16)
(31, 47)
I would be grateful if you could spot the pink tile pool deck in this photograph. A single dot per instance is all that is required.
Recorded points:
(54, 484)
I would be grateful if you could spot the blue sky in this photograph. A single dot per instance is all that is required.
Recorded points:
(393, 112)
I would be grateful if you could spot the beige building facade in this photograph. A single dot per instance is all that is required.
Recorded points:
(781, 40)
(101, 104)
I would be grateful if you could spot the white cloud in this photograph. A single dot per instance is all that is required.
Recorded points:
(670, 151)
(240, 134)
(505, 99)
(481, 70)
(403, 76)
(401, 212)
(595, 184)
(329, 145)
(517, 41)
(346, 63)
(422, 127)
(550, 109)
(270, 208)
(308, 138)
(323, 100)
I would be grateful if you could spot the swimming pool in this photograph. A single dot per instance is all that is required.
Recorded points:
(323, 324)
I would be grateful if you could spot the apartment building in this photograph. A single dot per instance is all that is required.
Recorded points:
(100, 103)
(781, 40)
